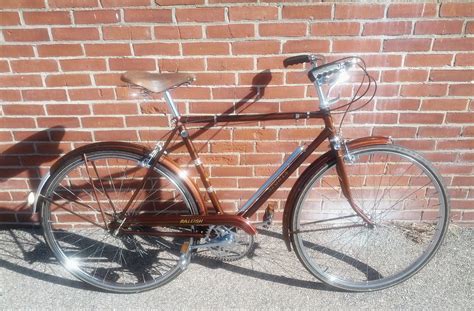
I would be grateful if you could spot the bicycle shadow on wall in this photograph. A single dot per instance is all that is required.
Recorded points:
(23, 161)
(257, 91)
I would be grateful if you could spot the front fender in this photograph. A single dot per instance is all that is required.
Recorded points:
(313, 169)
(127, 147)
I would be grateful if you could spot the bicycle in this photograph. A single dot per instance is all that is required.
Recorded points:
(365, 215)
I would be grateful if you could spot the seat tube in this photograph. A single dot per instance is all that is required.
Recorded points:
(171, 105)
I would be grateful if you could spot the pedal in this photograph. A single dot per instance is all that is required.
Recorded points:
(184, 257)
(268, 216)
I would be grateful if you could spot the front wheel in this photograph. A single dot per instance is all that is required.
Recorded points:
(401, 193)
(81, 204)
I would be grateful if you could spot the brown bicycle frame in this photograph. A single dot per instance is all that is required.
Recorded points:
(241, 218)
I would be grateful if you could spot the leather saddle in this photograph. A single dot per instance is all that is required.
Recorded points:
(156, 82)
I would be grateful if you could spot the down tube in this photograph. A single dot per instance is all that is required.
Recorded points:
(271, 188)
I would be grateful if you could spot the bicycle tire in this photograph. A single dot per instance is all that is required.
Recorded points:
(86, 248)
(338, 248)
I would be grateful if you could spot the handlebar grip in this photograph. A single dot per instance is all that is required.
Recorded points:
(294, 60)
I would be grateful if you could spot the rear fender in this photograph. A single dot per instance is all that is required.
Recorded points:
(128, 147)
(317, 165)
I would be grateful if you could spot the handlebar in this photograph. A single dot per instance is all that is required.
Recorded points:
(322, 72)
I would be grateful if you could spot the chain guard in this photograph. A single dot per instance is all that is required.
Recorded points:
(240, 246)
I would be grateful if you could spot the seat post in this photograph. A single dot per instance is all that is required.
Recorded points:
(171, 105)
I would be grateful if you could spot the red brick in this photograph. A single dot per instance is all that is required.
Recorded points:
(10, 95)
(406, 45)
(422, 118)
(184, 64)
(14, 51)
(253, 13)
(453, 44)
(383, 60)
(464, 59)
(230, 31)
(178, 2)
(441, 27)
(115, 109)
(55, 50)
(148, 15)
(387, 28)
(234, 63)
(178, 32)
(457, 9)
(146, 121)
(21, 109)
(91, 94)
(69, 135)
(26, 35)
(397, 104)
(438, 131)
(156, 49)
(231, 147)
(460, 117)
(282, 30)
(221, 78)
(311, 12)
(9, 18)
(73, 3)
(192, 93)
(375, 118)
(452, 75)
(424, 90)
(83, 64)
(26, 4)
(200, 15)
(205, 48)
(350, 45)
(126, 33)
(109, 79)
(46, 18)
(211, 107)
(95, 122)
(456, 144)
(20, 80)
(231, 171)
(68, 80)
(123, 3)
(407, 75)
(335, 29)
(124, 135)
(97, 17)
(428, 60)
(132, 64)
(461, 90)
(67, 122)
(7, 122)
(34, 65)
(365, 11)
(469, 28)
(111, 49)
(68, 109)
(395, 132)
(44, 95)
(75, 34)
(302, 46)
(444, 104)
(412, 10)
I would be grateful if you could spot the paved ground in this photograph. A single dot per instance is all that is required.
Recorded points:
(273, 279)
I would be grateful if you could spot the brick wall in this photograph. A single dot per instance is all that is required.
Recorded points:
(60, 62)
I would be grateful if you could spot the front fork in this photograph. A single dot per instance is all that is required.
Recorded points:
(343, 154)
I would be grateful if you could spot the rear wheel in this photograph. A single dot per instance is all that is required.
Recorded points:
(401, 193)
(80, 207)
